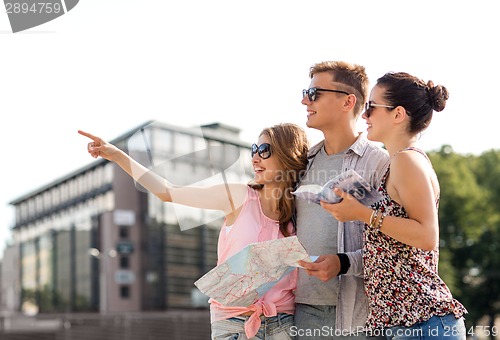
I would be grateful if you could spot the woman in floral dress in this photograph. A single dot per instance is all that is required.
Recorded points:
(407, 298)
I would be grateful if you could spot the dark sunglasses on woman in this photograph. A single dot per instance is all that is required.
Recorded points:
(264, 150)
(369, 107)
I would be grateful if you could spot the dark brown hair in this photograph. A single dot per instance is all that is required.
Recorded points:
(418, 98)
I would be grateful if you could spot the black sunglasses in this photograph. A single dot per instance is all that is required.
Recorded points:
(264, 150)
(311, 93)
(369, 107)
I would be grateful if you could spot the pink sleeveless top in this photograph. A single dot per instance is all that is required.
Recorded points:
(253, 226)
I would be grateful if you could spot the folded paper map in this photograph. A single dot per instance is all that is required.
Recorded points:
(349, 181)
(247, 275)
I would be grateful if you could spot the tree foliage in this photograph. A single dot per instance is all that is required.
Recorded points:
(469, 217)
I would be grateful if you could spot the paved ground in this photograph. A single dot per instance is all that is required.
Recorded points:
(168, 325)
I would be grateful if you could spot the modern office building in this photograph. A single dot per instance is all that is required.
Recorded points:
(95, 240)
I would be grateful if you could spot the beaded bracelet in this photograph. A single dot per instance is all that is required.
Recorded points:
(380, 221)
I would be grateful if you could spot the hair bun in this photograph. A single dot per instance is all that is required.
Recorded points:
(438, 95)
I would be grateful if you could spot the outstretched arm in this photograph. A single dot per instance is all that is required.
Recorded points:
(216, 197)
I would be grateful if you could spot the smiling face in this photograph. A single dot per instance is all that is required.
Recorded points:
(266, 170)
(325, 111)
(378, 120)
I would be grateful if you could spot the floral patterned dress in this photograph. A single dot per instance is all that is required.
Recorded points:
(401, 281)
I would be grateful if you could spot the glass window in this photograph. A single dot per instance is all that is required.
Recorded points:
(28, 265)
(75, 190)
(64, 192)
(29, 276)
(96, 178)
(162, 141)
(139, 146)
(124, 262)
(18, 213)
(108, 173)
(83, 266)
(56, 199)
(80, 184)
(47, 200)
(139, 141)
(38, 204)
(70, 188)
(125, 292)
(63, 266)
(183, 144)
(86, 181)
(201, 151)
(124, 232)
(199, 143)
(216, 153)
(45, 259)
(31, 207)
(108, 201)
(24, 211)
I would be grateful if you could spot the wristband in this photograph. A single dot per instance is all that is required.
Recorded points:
(345, 264)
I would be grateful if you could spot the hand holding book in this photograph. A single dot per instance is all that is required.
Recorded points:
(349, 181)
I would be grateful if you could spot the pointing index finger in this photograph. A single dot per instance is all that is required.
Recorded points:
(89, 135)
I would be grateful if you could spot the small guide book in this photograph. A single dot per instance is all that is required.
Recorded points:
(349, 181)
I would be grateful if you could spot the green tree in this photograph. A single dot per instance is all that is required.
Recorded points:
(485, 255)
(469, 229)
(461, 200)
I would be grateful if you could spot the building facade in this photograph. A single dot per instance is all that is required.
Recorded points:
(95, 240)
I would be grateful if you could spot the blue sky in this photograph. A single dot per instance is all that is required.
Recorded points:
(110, 65)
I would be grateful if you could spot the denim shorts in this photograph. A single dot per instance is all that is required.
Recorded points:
(438, 327)
(271, 328)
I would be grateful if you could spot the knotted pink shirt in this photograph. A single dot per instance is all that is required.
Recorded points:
(253, 226)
